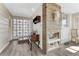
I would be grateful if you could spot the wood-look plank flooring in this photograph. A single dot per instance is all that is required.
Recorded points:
(15, 49)
(62, 51)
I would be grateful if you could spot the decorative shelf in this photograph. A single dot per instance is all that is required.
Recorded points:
(53, 44)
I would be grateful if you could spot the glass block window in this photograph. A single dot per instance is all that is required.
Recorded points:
(22, 28)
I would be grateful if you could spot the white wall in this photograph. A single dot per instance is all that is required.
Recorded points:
(66, 31)
(4, 27)
(38, 27)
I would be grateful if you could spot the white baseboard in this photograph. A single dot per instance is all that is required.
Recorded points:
(4, 47)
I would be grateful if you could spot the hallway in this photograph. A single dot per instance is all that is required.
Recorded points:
(15, 49)
(46, 24)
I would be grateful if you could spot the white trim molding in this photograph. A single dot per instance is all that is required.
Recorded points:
(4, 47)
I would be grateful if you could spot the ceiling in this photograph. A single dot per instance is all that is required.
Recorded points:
(22, 9)
(69, 7)
(27, 9)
